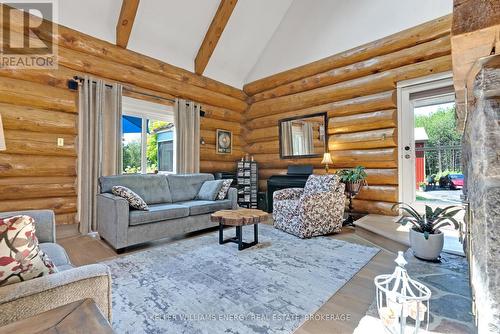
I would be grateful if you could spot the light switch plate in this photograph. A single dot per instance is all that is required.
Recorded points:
(60, 142)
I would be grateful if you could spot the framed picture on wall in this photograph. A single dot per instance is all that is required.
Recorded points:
(224, 141)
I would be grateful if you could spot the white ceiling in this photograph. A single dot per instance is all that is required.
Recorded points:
(262, 37)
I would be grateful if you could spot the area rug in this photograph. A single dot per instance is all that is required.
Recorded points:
(198, 286)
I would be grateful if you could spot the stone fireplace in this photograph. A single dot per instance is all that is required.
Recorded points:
(481, 152)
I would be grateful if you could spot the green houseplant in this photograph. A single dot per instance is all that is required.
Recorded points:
(426, 238)
(353, 179)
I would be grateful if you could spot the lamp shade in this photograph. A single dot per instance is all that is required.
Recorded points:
(327, 159)
(2, 136)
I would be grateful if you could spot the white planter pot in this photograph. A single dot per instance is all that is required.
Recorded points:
(427, 249)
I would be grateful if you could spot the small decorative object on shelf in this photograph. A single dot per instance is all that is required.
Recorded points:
(402, 301)
(327, 160)
(353, 179)
(248, 182)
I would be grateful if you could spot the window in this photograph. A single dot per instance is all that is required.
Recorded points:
(147, 137)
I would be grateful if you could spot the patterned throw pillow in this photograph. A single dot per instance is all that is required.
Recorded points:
(225, 188)
(133, 199)
(21, 258)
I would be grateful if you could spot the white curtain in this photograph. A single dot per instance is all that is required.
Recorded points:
(307, 130)
(287, 138)
(99, 143)
(187, 131)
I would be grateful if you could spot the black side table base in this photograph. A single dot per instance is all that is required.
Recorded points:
(238, 239)
(348, 222)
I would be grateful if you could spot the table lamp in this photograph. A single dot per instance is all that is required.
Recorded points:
(2, 136)
(327, 160)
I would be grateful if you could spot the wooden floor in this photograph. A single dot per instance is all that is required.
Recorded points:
(340, 314)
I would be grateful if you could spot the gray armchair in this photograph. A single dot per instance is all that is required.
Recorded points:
(25, 299)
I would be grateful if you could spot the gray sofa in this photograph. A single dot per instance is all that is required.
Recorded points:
(173, 209)
(25, 299)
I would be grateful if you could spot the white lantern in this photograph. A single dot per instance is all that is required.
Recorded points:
(402, 303)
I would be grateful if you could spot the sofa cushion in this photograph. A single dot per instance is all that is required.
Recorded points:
(57, 254)
(153, 189)
(209, 190)
(226, 184)
(134, 200)
(158, 212)
(199, 207)
(21, 257)
(185, 187)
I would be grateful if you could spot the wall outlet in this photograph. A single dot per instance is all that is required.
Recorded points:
(60, 142)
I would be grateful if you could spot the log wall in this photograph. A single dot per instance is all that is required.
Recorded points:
(37, 108)
(357, 89)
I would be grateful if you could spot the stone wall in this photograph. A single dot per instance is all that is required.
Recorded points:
(481, 151)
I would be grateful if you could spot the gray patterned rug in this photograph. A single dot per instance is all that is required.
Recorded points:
(198, 286)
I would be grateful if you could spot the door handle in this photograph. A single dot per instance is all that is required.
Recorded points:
(407, 148)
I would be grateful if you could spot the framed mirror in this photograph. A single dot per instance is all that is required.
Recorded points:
(303, 136)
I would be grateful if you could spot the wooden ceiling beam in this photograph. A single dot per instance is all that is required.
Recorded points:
(126, 21)
(213, 35)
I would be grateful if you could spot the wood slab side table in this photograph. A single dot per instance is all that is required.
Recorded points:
(239, 218)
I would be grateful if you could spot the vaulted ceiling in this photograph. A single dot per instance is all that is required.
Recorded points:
(261, 37)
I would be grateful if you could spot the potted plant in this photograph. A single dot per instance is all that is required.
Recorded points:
(422, 186)
(353, 179)
(426, 238)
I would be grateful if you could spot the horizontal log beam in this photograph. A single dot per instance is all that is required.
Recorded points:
(37, 143)
(24, 93)
(272, 146)
(421, 52)
(371, 84)
(28, 191)
(361, 122)
(56, 204)
(127, 74)
(375, 207)
(263, 134)
(222, 114)
(55, 78)
(24, 165)
(372, 158)
(363, 140)
(217, 166)
(379, 193)
(380, 101)
(404, 39)
(26, 118)
(214, 124)
(75, 40)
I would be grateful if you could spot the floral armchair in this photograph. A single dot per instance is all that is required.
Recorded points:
(318, 209)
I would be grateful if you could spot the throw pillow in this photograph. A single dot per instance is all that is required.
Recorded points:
(21, 258)
(133, 199)
(226, 184)
(209, 190)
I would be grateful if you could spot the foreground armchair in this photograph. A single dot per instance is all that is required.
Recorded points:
(318, 209)
(26, 299)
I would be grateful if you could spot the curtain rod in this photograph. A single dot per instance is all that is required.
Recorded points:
(80, 79)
